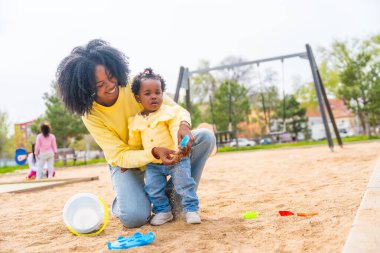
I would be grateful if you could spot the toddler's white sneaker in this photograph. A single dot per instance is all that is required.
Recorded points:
(193, 218)
(161, 218)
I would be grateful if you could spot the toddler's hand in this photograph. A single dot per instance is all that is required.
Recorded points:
(184, 130)
(167, 156)
(182, 152)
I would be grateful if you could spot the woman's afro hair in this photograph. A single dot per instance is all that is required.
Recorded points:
(76, 73)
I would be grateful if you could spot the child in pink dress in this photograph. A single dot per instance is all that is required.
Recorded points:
(32, 162)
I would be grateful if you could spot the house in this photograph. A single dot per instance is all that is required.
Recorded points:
(346, 120)
(23, 133)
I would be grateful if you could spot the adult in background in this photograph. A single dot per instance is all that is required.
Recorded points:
(92, 82)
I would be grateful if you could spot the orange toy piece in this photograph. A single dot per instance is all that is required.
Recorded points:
(306, 214)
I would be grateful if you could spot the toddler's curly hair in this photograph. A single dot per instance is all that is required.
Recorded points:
(146, 74)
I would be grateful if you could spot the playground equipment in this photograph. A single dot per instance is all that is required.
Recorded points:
(83, 214)
(21, 155)
(185, 74)
(283, 131)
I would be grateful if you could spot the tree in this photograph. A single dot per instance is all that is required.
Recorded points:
(357, 63)
(242, 74)
(306, 93)
(203, 85)
(266, 101)
(196, 117)
(237, 93)
(265, 98)
(7, 145)
(295, 118)
(64, 124)
(374, 96)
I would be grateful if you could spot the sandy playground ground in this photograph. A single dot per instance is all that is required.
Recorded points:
(300, 180)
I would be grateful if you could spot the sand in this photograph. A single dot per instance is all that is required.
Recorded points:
(300, 180)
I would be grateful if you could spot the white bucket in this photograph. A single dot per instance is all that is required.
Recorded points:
(84, 213)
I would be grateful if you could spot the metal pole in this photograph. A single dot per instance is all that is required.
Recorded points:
(328, 107)
(186, 77)
(283, 98)
(179, 83)
(229, 66)
(319, 96)
(229, 107)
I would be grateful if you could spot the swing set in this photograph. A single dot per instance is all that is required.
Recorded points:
(283, 98)
(324, 105)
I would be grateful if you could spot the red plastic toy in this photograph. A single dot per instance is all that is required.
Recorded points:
(285, 213)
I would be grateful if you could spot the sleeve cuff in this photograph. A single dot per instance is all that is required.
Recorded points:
(185, 123)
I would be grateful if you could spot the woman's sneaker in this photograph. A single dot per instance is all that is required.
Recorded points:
(161, 218)
(193, 218)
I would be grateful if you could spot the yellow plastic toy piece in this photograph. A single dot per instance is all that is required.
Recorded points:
(250, 215)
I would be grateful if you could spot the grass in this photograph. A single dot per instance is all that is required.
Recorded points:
(297, 144)
(58, 164)
(8, 169)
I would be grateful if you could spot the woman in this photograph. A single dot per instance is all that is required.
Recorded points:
(92, 82)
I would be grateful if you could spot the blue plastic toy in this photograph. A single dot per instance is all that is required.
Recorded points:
(184, 141)
(21, 156)
(135, 240)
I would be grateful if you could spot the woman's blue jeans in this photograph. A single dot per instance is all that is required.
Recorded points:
(131, 203)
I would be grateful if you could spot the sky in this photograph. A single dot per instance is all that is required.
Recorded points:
(35, 35)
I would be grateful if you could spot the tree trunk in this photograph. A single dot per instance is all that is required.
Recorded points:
(264, 109)
(267, 130)
(64, 143)
(269, 118)
(362, 123)
(361, 118)
(64, 158)
(373, 121)
(367, 124)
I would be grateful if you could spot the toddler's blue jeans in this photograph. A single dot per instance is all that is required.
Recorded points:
(184, 185)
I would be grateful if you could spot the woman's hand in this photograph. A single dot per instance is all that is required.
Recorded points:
(184, 129)
(167, 156)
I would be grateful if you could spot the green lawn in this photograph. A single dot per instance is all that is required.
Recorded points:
(297, 144)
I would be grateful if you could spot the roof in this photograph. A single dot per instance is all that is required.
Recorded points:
(338, 108)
